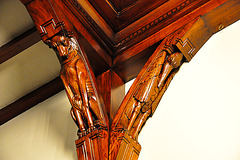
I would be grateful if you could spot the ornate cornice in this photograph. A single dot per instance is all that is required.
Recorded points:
(154, 22)
(90, 23)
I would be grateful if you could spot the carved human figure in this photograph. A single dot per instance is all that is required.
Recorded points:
(75, 76)
(150, 87)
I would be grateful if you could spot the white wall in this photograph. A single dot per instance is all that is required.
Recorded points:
(45, 132)
(199, 115)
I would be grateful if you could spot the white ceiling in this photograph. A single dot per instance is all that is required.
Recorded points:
(30, 69)
(14, 20)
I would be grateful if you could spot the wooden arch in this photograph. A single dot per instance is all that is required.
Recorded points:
(103, 44)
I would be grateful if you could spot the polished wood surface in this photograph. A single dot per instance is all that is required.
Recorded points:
(111, 40)
(76, 77)
(112, 89)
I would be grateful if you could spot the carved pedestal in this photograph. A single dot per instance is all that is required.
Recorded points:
(93, 145)
(129, 149)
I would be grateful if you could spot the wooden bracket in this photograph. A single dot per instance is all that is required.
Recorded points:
(109, 122)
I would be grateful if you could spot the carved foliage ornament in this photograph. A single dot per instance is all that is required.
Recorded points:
(77, 80)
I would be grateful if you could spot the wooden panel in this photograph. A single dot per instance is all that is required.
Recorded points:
(121, 4)
(97, 63)
(111, 88)
(119, 14)
(129, 65)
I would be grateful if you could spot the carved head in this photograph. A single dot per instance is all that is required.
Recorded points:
(175, 59)
(61, 44)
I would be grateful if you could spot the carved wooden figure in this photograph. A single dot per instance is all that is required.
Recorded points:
(121, 41)
(74, 74)
(149, 89)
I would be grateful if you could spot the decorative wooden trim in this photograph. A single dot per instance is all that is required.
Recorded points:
(76, 74)
(52, 24)
(129, 148)
(154, 23)
(103, 32)
(205, 27)
(187, 44)
(118, 18)
(177, 40)
(93, 146)
(146, 92)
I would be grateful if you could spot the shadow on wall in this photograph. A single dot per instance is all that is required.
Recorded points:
(44, 132)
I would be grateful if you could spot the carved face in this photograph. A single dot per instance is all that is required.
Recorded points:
(175, 59)
(62, 45)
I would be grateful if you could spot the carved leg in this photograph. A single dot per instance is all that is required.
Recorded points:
(94, 107)
(89, 117)
(141, 122)
(134, 115)
(78, 119)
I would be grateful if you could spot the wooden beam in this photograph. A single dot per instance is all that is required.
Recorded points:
(19, 44)
(31, 99)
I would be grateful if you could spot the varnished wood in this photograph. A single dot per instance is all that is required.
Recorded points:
(206, 26)
(144, 95)
(75, 74)
(93, 146)
(119, 14)
(112, 90)
(18, 44)
(163, 36)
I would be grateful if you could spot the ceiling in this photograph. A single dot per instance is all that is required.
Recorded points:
(38, 65)
(30, 69)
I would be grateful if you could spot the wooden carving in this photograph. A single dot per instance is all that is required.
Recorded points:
(116, 38)
(150, 85)
(144, 95)
(78, 84)
(149, 89)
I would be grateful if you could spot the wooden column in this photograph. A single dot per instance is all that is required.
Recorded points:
(112, 89)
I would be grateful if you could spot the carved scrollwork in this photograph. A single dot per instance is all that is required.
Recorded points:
(85, 110)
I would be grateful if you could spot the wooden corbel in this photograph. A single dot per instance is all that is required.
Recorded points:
(144, 96)
(109, 130)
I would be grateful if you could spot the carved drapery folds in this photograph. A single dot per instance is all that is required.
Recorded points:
(77, 80)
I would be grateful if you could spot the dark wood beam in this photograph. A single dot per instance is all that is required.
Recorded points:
(30, 100)
(19, 44)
